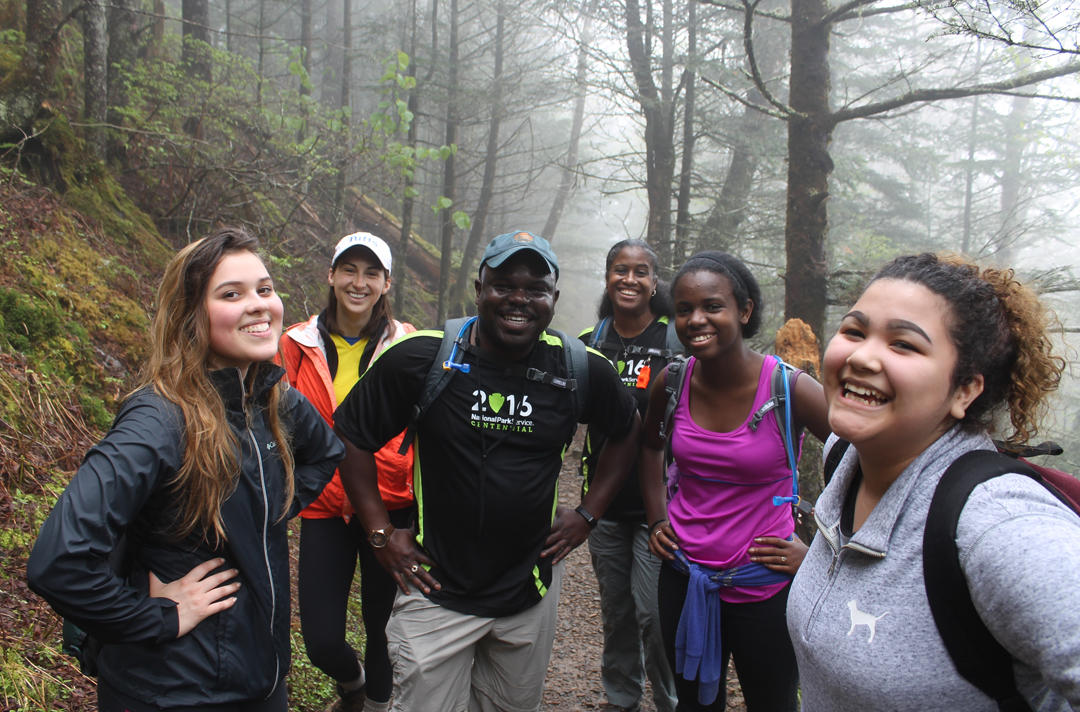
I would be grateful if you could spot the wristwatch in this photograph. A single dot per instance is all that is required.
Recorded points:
(589, 519)
(380, 537)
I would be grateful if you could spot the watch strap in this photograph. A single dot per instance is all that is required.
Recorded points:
(589, 518)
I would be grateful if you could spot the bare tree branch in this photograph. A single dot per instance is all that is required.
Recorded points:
(755, 73)
(862, 14)
(927, 95)
(1048, 97)
(844, 9)
(733, 95)
(736, 8)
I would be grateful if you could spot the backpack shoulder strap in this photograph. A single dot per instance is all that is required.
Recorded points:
(598, 332)
(674, 385)
(436, 379)
(833, 460)
(577, 369)
(782, 387)
(781, 402)
(674, 346)
(977, 655)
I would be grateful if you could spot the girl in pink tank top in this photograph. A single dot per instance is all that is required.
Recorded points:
(720, 528)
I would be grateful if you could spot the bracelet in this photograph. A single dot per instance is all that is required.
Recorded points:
(653, 529)
(589, 519)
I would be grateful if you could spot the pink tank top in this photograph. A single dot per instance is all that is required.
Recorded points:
(726, 485)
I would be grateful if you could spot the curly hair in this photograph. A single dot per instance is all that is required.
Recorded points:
(660, 303)
(1000, 329)
(743, 283)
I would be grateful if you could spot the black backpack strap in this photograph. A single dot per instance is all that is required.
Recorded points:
(674, 346)
(674, 386)
(514, 368)
(978, 656)
(777, 402)
(833, 460)
(597, 341)
(577, 369)
(435, 382)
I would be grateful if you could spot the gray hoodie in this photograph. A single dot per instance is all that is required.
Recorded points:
(858, 614)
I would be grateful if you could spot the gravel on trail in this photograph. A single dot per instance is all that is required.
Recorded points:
(573, 679)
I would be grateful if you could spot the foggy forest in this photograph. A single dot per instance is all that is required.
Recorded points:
(813, 139)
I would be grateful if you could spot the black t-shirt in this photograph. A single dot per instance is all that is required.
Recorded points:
(488, 454)
(628, 505)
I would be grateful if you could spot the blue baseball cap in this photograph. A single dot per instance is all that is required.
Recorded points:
(499, 249)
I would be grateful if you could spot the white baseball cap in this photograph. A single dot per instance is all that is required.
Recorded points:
(364, 239)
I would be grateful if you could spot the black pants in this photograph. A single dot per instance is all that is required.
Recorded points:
(754, 634)
(329, 549)
(112, 700)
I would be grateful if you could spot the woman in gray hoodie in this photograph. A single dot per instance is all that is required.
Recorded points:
(932, 352)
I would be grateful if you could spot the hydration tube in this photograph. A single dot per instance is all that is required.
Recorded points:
(794, 499)
(450, 363)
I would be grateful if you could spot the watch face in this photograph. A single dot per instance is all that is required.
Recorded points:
(378, 538)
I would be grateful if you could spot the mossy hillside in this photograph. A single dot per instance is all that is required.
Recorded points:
(90, 189)
(74, 301)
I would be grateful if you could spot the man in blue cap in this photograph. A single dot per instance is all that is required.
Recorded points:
(480, 572)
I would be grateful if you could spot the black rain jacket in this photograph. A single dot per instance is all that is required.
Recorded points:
(123, 486)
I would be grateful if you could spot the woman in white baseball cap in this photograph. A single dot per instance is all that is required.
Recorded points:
(325, 357)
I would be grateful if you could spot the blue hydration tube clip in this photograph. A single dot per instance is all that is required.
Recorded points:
(794, 499)
(450, 363)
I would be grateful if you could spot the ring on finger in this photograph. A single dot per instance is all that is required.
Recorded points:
(783, 559)
(415, 568)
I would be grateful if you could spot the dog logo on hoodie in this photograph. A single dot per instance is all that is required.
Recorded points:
(859, 618)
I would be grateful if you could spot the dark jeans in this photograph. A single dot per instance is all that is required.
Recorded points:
(329, 549)
(754, 634)
(112, 700)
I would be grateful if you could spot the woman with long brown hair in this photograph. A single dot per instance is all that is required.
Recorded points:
(202, 467)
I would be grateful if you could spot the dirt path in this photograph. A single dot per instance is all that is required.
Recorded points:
(573, 681)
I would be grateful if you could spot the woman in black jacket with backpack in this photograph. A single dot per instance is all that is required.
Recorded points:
(200, 471)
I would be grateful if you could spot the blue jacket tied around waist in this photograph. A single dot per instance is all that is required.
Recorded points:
(698, 653)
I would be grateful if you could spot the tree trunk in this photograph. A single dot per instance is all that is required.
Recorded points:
(659, 146)
(487, 186)
(328, 90)
(95, 76)
(969, 177)
(346, 107)
(123, 50)
(157, 31)
(260, 64)
(809, 166)
(305, 62)
(576, 125)
(720, 231)
(1013, 205)
(682, 221)
(446, 243)
(409, 199)
(665, 148)
(194, 57)
(228, 24)
(721, 228)
(23, 88)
